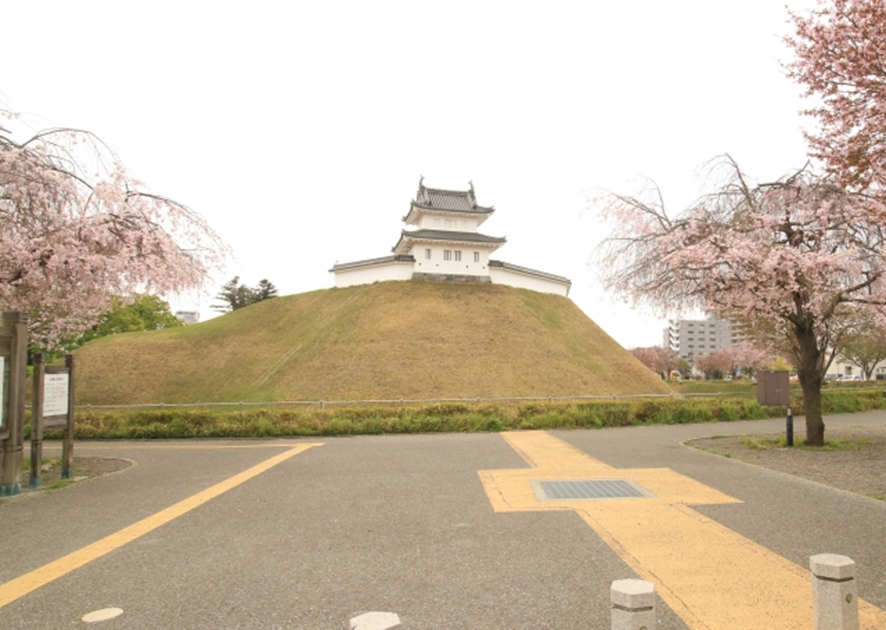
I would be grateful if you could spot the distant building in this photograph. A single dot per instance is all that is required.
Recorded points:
(188, 317)
(691, 338)
(446, 246)
(842, 368)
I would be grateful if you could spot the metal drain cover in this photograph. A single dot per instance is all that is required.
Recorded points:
(568, 489)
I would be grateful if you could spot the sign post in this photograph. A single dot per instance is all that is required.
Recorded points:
(3, 379)
(53, 409)
(13, 374)
(37, 424)
(68, 438)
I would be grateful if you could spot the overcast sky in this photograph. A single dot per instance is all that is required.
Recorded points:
(300, 129)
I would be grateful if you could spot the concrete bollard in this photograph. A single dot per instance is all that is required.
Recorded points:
(834, 592)
(633, 605)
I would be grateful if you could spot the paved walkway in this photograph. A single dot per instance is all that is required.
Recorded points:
(310, 533)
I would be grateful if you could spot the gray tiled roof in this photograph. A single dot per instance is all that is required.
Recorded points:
(448, 235)
(532, 272)
(373, 261)
(449, 200)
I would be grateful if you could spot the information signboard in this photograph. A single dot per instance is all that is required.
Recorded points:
(55, 395)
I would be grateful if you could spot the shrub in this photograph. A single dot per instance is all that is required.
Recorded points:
(170, 422)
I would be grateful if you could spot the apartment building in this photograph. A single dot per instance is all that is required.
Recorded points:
(691, 338)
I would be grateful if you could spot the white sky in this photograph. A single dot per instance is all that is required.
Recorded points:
(299, 129)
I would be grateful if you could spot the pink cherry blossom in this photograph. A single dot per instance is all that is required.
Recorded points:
(840, 60)
(793, 260)
(660, 360)
(76, 229)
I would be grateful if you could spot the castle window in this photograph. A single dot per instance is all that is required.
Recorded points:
(427, 254)
(476, 256)
(447, 254)
(458, 255)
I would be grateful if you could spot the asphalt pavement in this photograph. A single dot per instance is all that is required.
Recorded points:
(220, 534)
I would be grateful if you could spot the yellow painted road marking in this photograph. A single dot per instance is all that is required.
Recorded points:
(21, 586)
(713, 578)
(168, 447)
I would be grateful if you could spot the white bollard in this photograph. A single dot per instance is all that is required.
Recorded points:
(834, 592)
(633, 605)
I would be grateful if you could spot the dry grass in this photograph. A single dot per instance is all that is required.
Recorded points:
(853, 459)
(387, 340)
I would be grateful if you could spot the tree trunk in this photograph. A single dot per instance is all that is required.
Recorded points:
(814, 418)
(810, 372)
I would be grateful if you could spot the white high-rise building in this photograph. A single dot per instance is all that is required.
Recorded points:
(691, 338)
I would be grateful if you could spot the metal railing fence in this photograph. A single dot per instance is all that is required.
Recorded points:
(322, 404)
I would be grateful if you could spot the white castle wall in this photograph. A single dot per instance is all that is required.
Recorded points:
(394, 270)
(519, 280)
(437, 262)
(404, 270)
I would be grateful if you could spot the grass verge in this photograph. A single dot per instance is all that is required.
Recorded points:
(452, 418)
(172, 423)
(758, 443)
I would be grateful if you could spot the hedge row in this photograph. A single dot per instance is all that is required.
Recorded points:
(461, 417)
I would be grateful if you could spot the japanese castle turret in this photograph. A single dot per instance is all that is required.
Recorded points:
(446, 246)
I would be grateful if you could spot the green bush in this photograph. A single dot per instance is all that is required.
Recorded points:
(250, 421)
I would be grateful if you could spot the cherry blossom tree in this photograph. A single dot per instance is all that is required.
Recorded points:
(79, 230)
(796, 256)
(840, 59)
(748, 357)
(714, 364)
(646, 356)
(744, 356)
(660, 360)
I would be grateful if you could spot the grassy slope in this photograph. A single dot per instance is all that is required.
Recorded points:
(387, 340)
